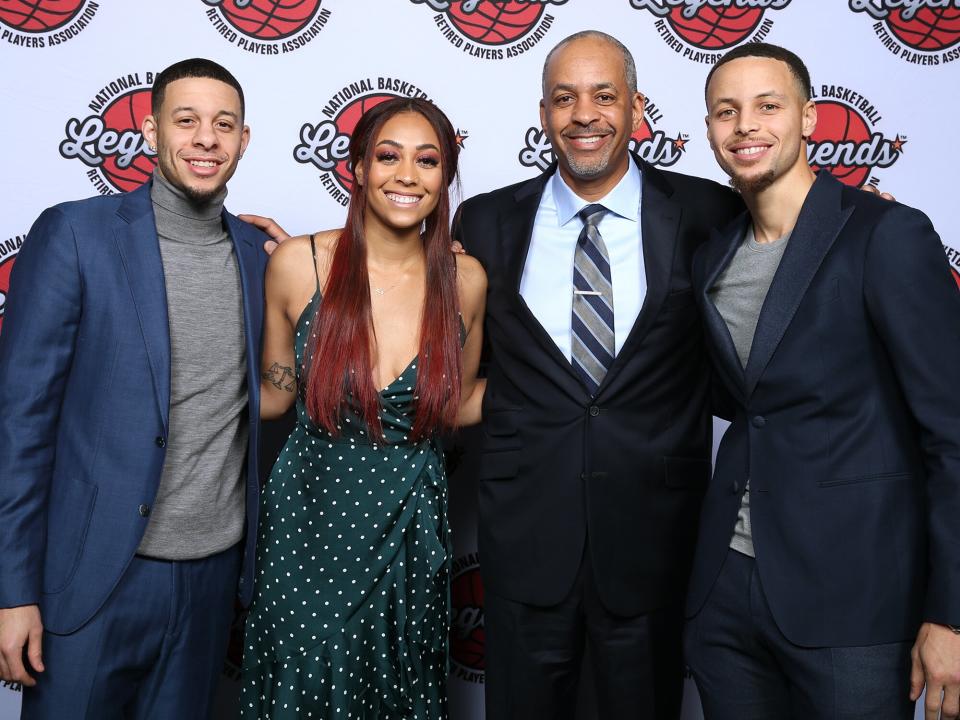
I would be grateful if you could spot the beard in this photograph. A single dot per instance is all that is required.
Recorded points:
(755, 184)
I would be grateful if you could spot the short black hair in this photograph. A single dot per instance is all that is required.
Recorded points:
(192, 68)
(766, 50)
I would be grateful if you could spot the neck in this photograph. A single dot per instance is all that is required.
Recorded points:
(592, 189)
(175, 200)
(775, 209)
(388, 248)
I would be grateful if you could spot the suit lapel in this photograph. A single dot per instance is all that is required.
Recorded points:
(247, 265)
(821, 220)
(719, 253)
(136, 238)
(659, 223)
(515, 232)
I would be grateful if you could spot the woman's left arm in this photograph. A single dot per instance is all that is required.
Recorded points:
(473, 296)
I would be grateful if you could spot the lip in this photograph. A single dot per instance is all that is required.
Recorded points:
(403, 200)
(749, 152)
(588, 142)
(203, 166)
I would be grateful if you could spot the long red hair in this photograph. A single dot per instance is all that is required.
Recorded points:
(342, 340)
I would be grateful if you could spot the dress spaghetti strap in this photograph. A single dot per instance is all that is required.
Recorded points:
(313, 251)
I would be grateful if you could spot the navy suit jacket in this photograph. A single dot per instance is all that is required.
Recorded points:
(844, 424)
(621, 472)
(85, 393)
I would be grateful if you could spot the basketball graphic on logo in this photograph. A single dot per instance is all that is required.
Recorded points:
(644, 132)
(929, 29)
(270, 19)
(39, 15)
(956, 276)
(716, 28)
(467, 636)
(838, 124)
(495, 23)
(346, 121)
(6, 265)
(125, 114)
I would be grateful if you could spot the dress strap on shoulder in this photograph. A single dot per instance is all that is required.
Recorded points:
(313, 250)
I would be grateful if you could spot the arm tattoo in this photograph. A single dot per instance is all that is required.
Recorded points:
(281, 377)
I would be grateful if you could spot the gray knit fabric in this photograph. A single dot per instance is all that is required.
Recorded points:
(199, 508)
(739, 294)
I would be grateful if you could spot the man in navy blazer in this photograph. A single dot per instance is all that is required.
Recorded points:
(827, 569)
(128, 439)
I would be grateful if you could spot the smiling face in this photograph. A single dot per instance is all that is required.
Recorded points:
(589, 114)
(199, 135)
(757, 122)
(405, 178)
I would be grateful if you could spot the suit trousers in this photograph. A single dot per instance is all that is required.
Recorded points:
(154, 651)
(534, 655)
(746, 669)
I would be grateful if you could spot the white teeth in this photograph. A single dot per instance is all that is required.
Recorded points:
(203, 163)
(588, 140)
(403, 199)
(751, 150)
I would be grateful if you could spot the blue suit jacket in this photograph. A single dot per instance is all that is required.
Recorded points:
(85, 393)
(844, 424)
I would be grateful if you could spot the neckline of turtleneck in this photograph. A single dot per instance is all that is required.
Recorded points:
(174, 200)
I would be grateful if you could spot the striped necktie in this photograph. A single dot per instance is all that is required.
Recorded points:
(592, 321)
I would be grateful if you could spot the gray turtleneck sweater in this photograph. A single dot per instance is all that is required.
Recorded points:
(199, 508)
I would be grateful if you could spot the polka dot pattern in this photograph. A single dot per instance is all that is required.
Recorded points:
(351, 605)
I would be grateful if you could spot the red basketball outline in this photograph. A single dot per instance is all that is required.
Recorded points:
(28, 17)
(459, 22)
(703, 43)
(266, 22)
(920, 21)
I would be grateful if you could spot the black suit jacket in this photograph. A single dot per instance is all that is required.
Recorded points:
(844, 425)
(626, 468)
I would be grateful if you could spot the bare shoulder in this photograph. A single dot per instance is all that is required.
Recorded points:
(290, 255)
(471, 272)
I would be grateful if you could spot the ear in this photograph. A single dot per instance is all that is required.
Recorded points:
(148, 128)
(244, 139)
(639, 105)
(543, 116)
(809, 119)
(358, 174)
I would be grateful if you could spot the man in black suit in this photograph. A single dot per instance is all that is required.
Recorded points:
(830, 587)
(596, 438)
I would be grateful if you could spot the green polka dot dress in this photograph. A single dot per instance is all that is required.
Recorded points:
(351, 605)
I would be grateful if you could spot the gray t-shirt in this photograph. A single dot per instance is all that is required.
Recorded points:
(199, 508)
(739, 294)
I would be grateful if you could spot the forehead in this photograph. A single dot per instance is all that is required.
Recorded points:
(751, 76)
(587, 61)
(408, 128)
(201, 94)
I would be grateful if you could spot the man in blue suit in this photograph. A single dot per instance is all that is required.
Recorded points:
(128, 439)
(826, 581)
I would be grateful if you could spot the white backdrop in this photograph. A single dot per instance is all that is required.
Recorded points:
(74, 75)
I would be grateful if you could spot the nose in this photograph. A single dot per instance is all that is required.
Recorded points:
(406, 173)
(584, 111)
(204, 135)
(746, 122)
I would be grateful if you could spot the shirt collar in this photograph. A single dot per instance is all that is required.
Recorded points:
(624, 199)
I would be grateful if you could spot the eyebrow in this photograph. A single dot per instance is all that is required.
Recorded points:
(767, 93)
(566, 87)
(394, 143)
(187, 108)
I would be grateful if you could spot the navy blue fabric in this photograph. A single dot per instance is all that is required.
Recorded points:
(85, 388)
(746, 669)
(154, 651)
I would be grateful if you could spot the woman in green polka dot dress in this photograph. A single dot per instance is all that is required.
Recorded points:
(375, 331)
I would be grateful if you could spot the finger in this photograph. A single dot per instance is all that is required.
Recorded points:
(18, 673)
(35, 648)
(269, 246)
(931, 703)
(4, 669)
(887, 196)
(868, 188)
(916, 675)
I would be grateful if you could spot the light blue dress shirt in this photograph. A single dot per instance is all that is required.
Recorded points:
(547, 282)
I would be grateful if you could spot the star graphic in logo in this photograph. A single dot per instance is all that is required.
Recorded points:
(680, 142)
(461, 138)
(897, 145)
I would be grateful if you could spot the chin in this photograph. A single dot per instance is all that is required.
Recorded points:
(753, 183)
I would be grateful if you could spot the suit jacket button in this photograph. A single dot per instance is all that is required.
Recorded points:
(594, 411)
(759, 421)
(160, 442)
(144, 510)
